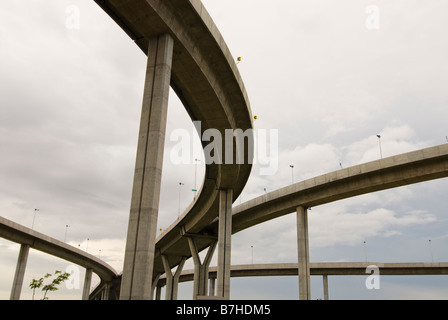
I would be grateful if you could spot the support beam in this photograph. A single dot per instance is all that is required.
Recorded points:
(158, 292)
(172, 281)
(154, 285)
(106, 292)
(200, 268)
(224, 243)
(20, 272)
(303, 254)
(211, 290)
(140, 246)
(325, 278)
(87, 284)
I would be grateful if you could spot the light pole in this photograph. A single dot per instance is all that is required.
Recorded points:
(252, 249)
(65, 236)
(292, 173)
(430, 249)
(34, 217)
(365, 250)
(195, 190)
(180, 186)
(379, 141)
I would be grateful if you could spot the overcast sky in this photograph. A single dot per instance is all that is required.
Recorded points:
(328, 75)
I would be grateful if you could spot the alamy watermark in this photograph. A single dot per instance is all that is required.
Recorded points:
(251, 146)
(73, 18)
(373, 21)
(373, 281)
(73, 282)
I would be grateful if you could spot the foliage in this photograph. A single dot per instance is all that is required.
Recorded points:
(52, 286)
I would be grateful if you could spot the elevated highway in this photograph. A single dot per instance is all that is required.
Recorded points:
(186, 51)
(401, 170)
(324, 268)
(29, 238)
(200, 69)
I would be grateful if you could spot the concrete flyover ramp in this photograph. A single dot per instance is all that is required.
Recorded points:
(204, 75)
(29, 238)
(404, 169)
(324, 268)
(401, 170)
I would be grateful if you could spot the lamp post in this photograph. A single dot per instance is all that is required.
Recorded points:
(379, 141)
(195, 174)
(252, 249)
(34, 217)
(65, 236)
(430, 249)
(292, 173)
(180, 186)
(365, 250)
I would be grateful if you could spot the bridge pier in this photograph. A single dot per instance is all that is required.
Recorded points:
(172, 281)
(140, 245)
(325, 280)
(200, 268)
(20, 272)
(303, 253)
(224, 243)
(87, 284)
(211, 289)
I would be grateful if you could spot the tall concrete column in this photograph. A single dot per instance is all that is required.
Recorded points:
(155, 283)
(172, 281)
(224, 243)
(106, 292)
(200, 268)
(325, 279)
(303, 253)
(87, 284)
(158, 292)
(211, 290)
(20, 272)
(139, 256)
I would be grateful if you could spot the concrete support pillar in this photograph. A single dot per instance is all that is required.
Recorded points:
(139, 255)
(325, 279)
(87, 284)
(211, 290)
(158, 292)
(303, 253)
(224, 243)
(172, 281)
(200, 268)
(105, 293)
(20, 272)
(155, 283)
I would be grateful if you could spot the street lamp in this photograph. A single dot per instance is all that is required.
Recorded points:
(195, 190)
(379, 141)
(65, 236)
(252, 249)
(365, 250)
(180, 186)
(34, 217)
(292, 173)
(430, 249)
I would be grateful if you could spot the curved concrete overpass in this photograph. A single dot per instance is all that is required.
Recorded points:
(32, 239)
(401, 170)
(205, 77)
(324, 268)
(392, 172)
